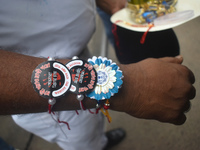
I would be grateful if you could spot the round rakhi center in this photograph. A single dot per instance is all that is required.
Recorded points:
(103, 77)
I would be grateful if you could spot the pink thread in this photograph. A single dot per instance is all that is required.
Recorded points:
(90, 111)
(64, 123)
(82, 105)
(77, 112)
(49, 108)
(97, 110)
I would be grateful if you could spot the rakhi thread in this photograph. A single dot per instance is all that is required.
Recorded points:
(77, 112)
(97, 110)
(64, 123)
(56, 120)
(49, 108)
(91, 111)
(104, 110)
(143, 38)
(82, 106)
(109, 81)
(83, 79)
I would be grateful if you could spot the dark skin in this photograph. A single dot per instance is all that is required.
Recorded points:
(146, 93)
(18, 95)
(157, 89)
(161, 90)
(111, 6)
(168, 103)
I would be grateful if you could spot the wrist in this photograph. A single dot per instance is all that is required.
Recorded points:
(128, 93)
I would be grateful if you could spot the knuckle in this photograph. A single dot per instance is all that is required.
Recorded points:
(188, 74)
(185, 68)
(187, 90)
(190, 91)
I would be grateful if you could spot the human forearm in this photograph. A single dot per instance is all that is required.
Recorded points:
(16, 91)
(111, 6)
(157, 89)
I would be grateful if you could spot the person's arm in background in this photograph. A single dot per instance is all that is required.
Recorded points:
(111, 6)
(153, 89)
(126, 43)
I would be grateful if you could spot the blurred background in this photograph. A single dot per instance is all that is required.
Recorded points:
(141, 134)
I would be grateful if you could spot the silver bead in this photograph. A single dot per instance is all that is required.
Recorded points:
(75, 57)
(107, 104)
(52, 101)
(80, 97)
(51, 59)
(97, 106)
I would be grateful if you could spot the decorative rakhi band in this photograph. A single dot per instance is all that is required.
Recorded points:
(51, 80)
(99, 79)
(109, 80)
(84, 78)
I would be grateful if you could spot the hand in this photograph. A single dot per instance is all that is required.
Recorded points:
(111, 6)
(156, 89)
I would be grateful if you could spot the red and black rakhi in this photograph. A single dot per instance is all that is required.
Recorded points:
(51, 80)
(84, 78)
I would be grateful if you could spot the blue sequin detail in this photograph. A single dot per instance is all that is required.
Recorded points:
(92, 63)
(107, 63)
(117, 84)
(118, 74)
(114, 90)
(98, 61)
(114, 67)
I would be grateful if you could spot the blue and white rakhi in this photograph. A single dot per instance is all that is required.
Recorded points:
(109, 80)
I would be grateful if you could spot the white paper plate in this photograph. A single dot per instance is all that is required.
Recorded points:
(182, 5)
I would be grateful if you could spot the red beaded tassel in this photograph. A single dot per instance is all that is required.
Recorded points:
(104, 110)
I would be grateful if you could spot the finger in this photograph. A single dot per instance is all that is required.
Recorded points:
(180, 120)
(192, 93)
(187, 107)
(189, 74)
(192, 77)
(177, 59)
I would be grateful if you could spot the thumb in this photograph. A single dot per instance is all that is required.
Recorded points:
(178, 59)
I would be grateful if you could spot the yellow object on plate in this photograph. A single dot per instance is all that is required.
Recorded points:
(146, 11)
(123, 18)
